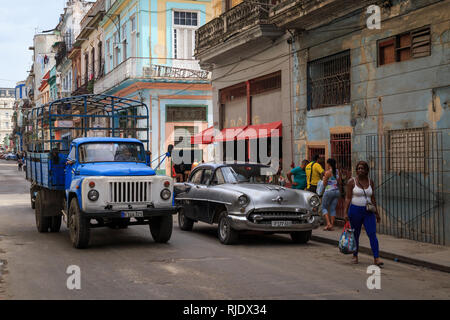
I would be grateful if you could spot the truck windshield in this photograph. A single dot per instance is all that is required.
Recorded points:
(111, 152)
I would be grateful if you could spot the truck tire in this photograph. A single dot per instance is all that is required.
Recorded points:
(55, 223)
(78, 226)
(227, 235)
(301, 236)
(42, 222)
(161, 228)
(185, 223)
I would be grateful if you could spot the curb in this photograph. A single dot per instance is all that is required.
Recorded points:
(389, 255)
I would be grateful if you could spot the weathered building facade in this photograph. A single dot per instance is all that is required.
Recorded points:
(7, 98)
(353, 92)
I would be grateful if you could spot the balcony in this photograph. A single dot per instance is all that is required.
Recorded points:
(143, 68)
(309, 14)
(61, 51)
(242, 26)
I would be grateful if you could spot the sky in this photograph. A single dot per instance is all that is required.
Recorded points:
(19, 21)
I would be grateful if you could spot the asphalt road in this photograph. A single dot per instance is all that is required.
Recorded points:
(127, 264)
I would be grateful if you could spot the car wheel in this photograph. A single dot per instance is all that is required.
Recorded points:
(301, 236)
(227, 235)
(42, 222)
(185, 223)
(78, 226)
(161, 228)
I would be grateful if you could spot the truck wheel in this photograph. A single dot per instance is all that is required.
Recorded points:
(55, 223)
(227, 235)
(42, 222)
(161, 228)
(301, 236)
(78, 226)
(185, 223)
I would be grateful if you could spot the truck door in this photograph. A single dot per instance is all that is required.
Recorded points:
(69, 170)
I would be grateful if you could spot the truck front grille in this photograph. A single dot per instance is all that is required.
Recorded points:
(130, 191)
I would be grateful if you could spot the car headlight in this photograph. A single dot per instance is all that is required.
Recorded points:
(166, 194)
(314, 201)
(243, 200)
(93, 195)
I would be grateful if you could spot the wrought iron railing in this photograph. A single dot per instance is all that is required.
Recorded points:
(236, 20)
(141, 68)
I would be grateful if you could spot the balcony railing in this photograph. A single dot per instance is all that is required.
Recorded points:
(236, 20)
(143, 68)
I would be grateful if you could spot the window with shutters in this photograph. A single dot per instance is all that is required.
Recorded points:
(184, 26)
(405, 46)
(133, 36)
(407, 150)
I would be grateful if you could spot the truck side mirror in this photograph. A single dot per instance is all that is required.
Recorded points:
(70, 162)
(169, 150)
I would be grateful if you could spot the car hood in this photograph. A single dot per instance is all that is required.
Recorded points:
(115, 169)
(265, 195)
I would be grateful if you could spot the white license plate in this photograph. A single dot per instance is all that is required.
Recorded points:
(132, 214)
(281, 223)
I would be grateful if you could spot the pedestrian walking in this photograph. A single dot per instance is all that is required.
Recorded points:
(331, 181)
(299, 174)
(360, 209)
(314, 173)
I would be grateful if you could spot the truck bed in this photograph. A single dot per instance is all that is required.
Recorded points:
(43, 172)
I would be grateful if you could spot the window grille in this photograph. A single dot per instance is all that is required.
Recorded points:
(329, 81)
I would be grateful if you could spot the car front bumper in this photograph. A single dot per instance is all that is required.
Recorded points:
(241, 223)
(147, 213)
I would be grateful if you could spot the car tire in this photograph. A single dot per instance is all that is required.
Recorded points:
(226, 234)
(42, 222)
(55, 223)
(185, 223)
(78, 226)
(161, 228)
(301, 236)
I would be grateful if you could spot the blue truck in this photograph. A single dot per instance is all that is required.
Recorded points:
(88, 163)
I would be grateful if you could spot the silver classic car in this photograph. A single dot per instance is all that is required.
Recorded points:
(245, 197)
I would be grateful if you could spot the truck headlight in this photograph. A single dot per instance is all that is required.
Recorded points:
(243, 200)
(314, 201)
(93, 195)
(166, 194)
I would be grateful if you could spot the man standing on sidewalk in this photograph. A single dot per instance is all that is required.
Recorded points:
(314, 173)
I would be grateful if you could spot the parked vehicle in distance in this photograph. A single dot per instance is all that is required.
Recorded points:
(10, 156)
(241, 197)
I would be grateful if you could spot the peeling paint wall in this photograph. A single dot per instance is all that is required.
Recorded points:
(400, 95)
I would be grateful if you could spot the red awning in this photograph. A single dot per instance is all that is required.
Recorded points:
(229, 134)
(204, 137)
(264, 130)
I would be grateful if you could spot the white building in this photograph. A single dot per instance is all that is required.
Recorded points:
(6, 112)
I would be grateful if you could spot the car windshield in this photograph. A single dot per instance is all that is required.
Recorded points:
(249, 174)
(111, 152)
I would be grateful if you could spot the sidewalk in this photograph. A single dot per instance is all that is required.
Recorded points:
(402, 250)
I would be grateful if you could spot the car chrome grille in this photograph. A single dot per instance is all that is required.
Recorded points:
(130, 191)
(269, 216)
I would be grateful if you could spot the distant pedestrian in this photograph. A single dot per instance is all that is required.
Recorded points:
(299, 174)
(331, 182)
(314, 173)
(360, 208)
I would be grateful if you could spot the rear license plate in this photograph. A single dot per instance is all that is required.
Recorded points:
(132, 214)
(281, 223)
